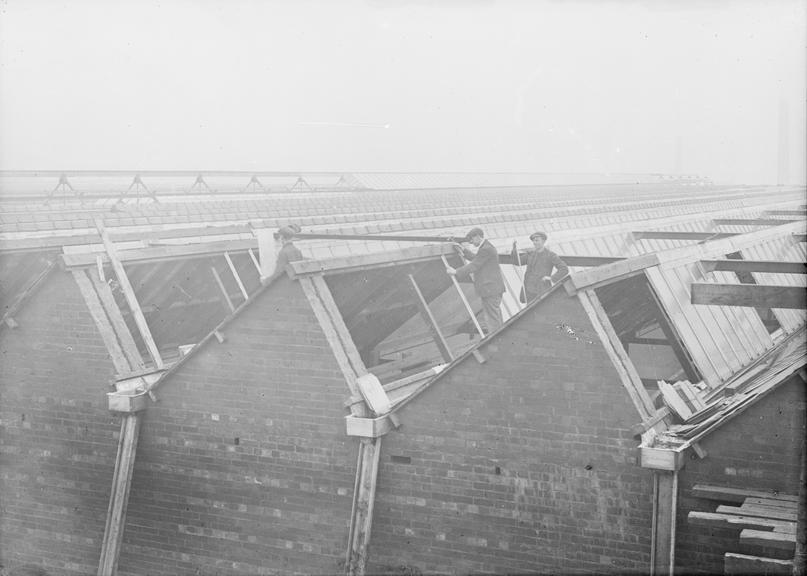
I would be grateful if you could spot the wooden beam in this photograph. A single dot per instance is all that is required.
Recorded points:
(430, 321)
(677, 235)
(800, 213)
(749, 295)
(25, 294)
(128, 292)
(737, 564)
(122, 331)
(751, 221)
(647, 341)
(465, 302)
(236, 276)
(364, 502)
(769, 266)
(616, 352)
(665, 502)
(608, 273)
(162, 253)
(119, 360)
(738, 495)
(713, 519)
(373, 260)
(225, 297)
(119, 498)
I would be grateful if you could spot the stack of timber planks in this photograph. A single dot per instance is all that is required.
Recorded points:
(765, 520)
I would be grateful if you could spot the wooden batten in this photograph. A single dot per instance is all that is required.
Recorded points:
(749, 295)
(768, 266)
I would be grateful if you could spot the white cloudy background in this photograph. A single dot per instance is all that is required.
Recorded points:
(548, 86)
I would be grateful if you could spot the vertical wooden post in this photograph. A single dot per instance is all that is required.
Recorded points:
(665, 501)
(364, 502)
(431, 322)
(119, 499)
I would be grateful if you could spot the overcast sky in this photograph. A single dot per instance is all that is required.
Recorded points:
(608, 86)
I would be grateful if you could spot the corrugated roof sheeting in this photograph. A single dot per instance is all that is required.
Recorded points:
(724, 339)
(720, 340)
(784, 249)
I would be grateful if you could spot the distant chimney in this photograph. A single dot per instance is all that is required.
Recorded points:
(783, 160)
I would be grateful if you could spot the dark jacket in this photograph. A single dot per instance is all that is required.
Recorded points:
(288, 253)
(488, 279)
(540, 264)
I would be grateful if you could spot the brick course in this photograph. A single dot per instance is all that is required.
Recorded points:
(521, 464)
(57, 439)
(243, 466)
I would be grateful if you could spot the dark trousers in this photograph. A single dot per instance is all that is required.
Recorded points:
(491, 313)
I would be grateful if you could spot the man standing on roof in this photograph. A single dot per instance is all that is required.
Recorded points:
(488, 281)
(540, 262)
(288, 252)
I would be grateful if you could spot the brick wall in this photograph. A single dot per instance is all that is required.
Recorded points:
(243, 465)
(57, 439)
(520, 464)
(758, 450)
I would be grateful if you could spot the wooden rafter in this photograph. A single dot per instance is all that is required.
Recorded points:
(619, 357)
(129, 294)
(430, 321)
(25, 294)
(749, 295)
(223, 291)
(769, 266)
(751, 221)
(678, 235)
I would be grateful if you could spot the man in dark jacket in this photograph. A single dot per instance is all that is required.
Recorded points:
(288, 252)
(540, 262)
(488, 281)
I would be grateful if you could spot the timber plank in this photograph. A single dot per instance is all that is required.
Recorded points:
(725, 494)
(744, 564)
(784, 541)
(734, 521)
(118, 323)
(768, 266)
(119, 360)
(761, 512)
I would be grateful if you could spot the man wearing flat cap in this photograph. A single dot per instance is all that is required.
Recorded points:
(288, 252)
(540, 262)
(488, 281)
